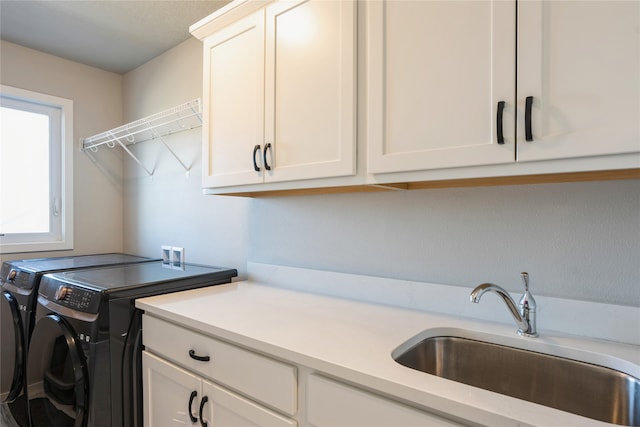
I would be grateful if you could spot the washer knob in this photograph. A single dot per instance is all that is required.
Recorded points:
(61, 292)
(12, 275)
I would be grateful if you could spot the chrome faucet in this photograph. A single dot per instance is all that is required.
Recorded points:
(524, 314)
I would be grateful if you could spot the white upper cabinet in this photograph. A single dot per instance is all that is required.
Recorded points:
(580, 63)
(310, 89)
(279, 95)
(449, 89)
(233, 109)
(437, 72)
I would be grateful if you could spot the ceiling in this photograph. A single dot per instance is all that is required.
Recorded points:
(114, 35)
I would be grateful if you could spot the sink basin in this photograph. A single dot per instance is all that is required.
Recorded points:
(585, 389)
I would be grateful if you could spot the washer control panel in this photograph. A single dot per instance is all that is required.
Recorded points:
(70, 295)
(73, 297)
(17, 277)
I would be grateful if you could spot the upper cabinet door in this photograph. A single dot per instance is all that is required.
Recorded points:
(437, 71)
(310, 76)
(234, 104)
(580, 61)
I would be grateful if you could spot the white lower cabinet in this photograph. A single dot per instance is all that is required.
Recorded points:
(194, 379)
(230, 410)
(197, 380)
(167, 391)
(176, 397)
(331, 403)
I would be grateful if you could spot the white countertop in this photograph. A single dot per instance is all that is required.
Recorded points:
(353, 341)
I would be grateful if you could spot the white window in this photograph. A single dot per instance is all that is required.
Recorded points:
(36, 171)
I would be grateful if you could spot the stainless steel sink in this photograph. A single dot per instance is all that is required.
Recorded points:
(581, 388)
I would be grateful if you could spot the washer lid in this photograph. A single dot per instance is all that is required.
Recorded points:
(47, 265)
(143, 279)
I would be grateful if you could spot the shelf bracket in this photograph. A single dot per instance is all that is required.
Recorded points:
(159, 137)
(124, 147)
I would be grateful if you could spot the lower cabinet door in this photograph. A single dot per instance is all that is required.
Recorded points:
(226, 409)
(338, 405)
(176, 397)
(171, 394)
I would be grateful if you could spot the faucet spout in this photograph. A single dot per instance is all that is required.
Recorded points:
(523, 314)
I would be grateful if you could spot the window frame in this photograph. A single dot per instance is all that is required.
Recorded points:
(60, 235)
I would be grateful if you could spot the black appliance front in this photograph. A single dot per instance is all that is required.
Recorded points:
(20, 280)
(89, 368)
(61, 396)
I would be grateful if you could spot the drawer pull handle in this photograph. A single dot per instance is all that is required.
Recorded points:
(193, 355)
(193, 396)
(203, 423)
(500, 135)
(528, 135)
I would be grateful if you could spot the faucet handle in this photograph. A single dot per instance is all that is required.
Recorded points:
(525, 280)
(528, 307)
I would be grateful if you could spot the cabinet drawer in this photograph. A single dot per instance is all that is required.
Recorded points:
(335, 404)
(269, 381)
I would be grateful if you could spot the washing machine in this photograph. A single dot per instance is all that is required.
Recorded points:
(20, 280)
(87, 368)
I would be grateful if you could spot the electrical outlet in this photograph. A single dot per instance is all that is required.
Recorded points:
(177, 258)
(166, 255)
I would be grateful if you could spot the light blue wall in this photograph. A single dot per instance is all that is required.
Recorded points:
(169, 209)
(578, 240)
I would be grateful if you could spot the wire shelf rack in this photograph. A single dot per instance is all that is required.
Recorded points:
(180, 118)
